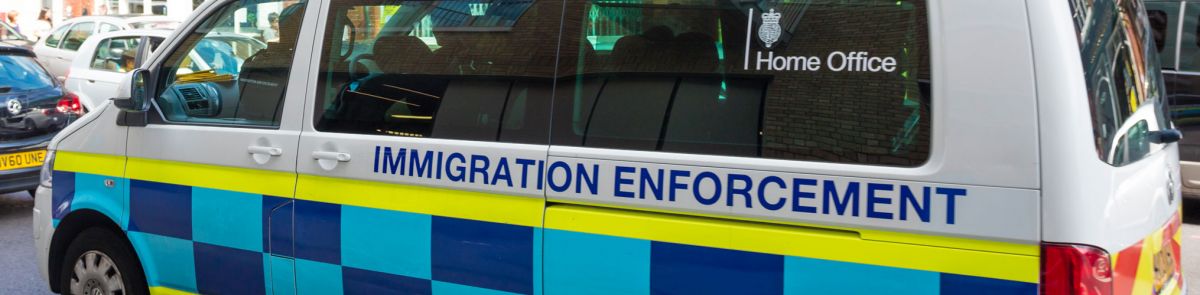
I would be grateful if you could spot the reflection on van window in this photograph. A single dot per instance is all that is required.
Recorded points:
(1121, 68)
(831, 81)
(225, 74)
(475, 70)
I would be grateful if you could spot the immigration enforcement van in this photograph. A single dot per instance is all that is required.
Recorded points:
(628, 147)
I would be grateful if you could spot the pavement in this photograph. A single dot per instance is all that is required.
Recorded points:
(20, 275)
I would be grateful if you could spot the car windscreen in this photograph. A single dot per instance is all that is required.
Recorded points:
(18, 73)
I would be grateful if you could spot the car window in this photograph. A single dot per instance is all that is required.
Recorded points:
(107, 27)
(79, 33)
(439, 69)
(56, 38)
(1124, 80)
(223, 75)
(1164, 21)
(18, 73)
(116, 54)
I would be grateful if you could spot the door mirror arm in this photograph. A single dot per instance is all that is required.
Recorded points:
(1165, 136)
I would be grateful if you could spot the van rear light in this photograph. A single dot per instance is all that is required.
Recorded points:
(1075, 270)
(69, 103)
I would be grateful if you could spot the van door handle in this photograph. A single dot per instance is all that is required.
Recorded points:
(331, 156)
(265, 150)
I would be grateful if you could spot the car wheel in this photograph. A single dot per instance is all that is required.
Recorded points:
(99, 262)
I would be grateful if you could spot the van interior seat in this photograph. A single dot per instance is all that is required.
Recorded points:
(264, 76)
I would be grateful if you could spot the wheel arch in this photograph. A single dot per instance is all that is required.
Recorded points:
(71, 226)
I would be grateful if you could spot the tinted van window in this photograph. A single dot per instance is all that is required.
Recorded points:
(440, 69)
(831, 81)
(1164, 21)
(1124, 82)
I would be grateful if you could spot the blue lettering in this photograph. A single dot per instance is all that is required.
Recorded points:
(583, 178)
(872, 200)
(907, 197)
(392, 164)
(558, 165)
(849, 199)
(376, 169)
(716, 195)
(525, 171)
(655, 184)
(738, 190)
(762, 193)
(451, 168)
(540, 170)
(502, 172)
(420, 166)
(675, 184)
(621, 180)
(479, 165)
(950, 194)
(797, 194)
(438, 168)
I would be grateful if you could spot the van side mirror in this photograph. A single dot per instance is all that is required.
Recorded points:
(137, 100)
(1166, 136)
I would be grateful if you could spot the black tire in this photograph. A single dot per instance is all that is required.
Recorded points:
(107, 242)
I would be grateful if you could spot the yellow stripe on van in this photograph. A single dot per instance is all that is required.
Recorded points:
(99, 164)
(837, 245)
(866, 234)
(463, 204)
(253, 181)
(160, 290)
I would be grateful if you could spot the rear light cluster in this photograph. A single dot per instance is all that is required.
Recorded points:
(69, 103)
(1075, 270)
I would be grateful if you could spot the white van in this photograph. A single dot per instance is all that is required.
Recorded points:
(619, 147)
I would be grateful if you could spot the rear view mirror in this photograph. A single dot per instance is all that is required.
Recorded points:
(137, 100)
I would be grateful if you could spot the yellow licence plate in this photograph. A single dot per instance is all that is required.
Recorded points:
(22, 160)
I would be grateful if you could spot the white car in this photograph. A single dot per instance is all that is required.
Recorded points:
(56, 51)
(103, 60)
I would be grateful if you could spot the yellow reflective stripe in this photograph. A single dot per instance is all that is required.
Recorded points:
(160, 290)
(834, 245)
(99, 164)
(866, 234)
(489, 207)
(253, 181)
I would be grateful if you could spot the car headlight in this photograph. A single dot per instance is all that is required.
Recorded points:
(47, 175)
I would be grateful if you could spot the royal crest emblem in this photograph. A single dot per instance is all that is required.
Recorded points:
(14, 106)
(769, 31)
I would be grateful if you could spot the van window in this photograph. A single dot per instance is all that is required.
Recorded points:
(116, 54)
(1124, 82)
(1164, 21)
(223, 73)
(440, 69)
(79, 33)
(829, 81)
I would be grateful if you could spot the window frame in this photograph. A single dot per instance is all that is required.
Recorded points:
(61, 33)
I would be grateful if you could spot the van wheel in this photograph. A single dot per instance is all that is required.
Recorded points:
(99, 262)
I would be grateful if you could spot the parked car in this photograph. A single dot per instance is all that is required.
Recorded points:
(58, 50)
(104, 59)
(35, 108)
(10, 36)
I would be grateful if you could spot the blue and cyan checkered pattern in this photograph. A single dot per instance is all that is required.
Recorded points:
(223, 242)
